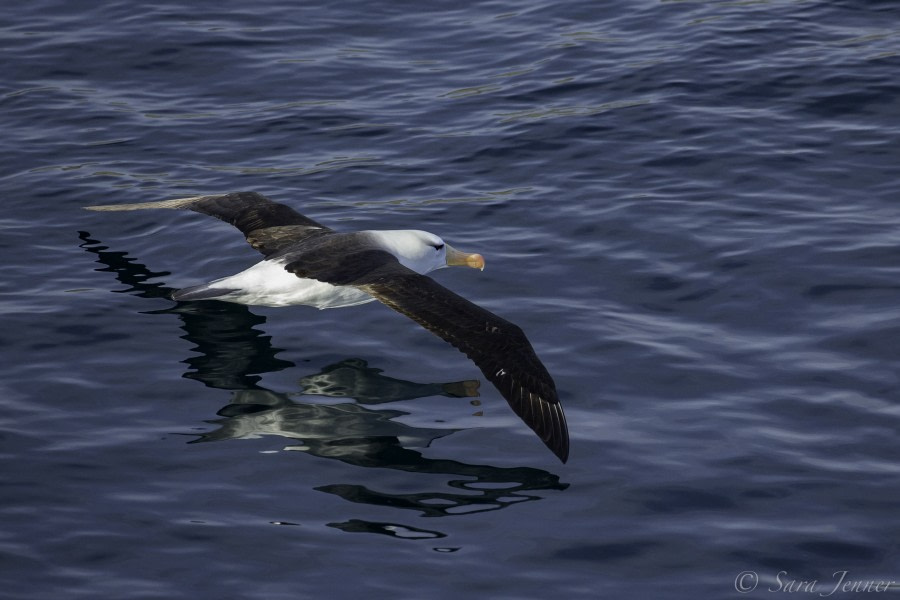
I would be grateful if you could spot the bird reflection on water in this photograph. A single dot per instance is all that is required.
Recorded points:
(233, 353)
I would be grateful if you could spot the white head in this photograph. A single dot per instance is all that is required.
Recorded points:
(424, 252)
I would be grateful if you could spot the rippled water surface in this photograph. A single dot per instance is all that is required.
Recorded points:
(690, 207)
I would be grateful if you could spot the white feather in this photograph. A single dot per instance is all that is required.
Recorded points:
(268, 284)
(418, 250)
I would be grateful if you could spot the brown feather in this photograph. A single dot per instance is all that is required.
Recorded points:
(269, 227)
(499, 348)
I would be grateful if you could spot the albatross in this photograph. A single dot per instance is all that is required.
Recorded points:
(311, 264)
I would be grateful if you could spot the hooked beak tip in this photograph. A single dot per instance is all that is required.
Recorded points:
(476, 261)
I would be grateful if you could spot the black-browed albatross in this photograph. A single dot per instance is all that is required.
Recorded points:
(309, 263)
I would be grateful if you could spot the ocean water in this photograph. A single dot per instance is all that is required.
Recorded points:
(690, 207)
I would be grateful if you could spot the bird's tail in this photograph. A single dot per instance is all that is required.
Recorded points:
(205, 291)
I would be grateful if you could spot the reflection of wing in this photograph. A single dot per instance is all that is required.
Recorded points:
(498, 347)
(127, 271)
(368, 438)
(232, 351)
(334, 430)
(269, 227)
(353, 378)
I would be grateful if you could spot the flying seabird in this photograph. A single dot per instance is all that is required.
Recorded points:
(309, 263)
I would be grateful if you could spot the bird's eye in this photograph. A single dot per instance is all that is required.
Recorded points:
(438, 246)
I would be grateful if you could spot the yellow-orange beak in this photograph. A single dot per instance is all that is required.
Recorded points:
(455, 258)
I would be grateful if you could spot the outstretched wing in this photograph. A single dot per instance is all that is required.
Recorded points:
(499, 348)
(269, 227)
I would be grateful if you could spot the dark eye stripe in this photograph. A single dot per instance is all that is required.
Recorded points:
(438, 246)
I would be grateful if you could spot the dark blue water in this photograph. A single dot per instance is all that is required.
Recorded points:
(690, 207)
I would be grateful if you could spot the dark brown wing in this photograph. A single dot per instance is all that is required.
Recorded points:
(499, 348)
(269, 227)
(338, 258)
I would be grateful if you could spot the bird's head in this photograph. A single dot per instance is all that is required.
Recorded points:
(423, 252)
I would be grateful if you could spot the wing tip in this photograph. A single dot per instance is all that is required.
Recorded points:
(554, 431)
(561, 452)
(558, 441)
(175, 203)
